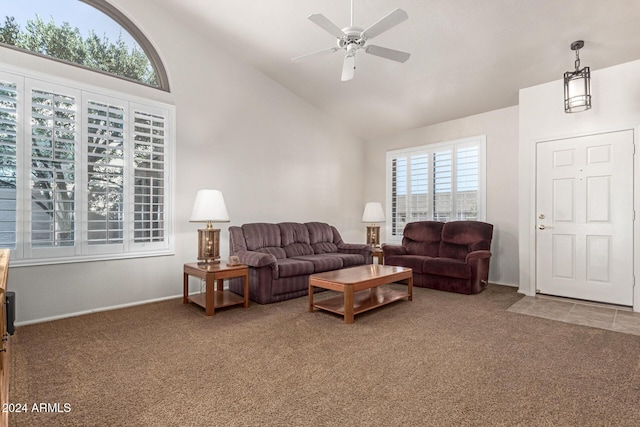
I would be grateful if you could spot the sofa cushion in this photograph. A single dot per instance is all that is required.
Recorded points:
(414, 262)
(289, 267)
(447, 267)
(422, 238)
(461, 237)
(324, 248)
(348, 260)
(322, 262)
(295, 239)
(321, 237)
(261, 235)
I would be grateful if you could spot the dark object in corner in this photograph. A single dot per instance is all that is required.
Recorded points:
(11, 312)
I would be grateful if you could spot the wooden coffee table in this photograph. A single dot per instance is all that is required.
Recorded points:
(361, 289)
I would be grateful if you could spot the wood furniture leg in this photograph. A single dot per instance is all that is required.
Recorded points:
(410, 288)
(210, 297)
(220, 285)
(246, 291)
(310, 297)
(348, 304)
(185, 290)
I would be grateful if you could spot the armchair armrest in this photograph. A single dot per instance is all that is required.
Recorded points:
(256, 259)
(477, 255)
(393, 250)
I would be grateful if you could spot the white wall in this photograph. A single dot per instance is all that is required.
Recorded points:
(616, 105)
(501, 130)
(274, 157)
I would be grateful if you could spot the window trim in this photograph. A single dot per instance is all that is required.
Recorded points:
(146, 45)
(481, 140)
(136, 250)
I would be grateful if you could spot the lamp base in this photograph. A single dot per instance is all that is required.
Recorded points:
(373, 235)
(209, 245)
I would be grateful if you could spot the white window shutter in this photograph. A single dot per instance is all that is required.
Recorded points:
(149, 157)
(53, 171)
(105, 173)
(8, 163)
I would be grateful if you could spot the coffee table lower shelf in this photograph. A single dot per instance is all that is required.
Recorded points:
(365, 300)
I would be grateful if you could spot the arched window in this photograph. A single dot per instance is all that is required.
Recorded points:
(90, 33)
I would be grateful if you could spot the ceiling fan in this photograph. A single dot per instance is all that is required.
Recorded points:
(352, 38)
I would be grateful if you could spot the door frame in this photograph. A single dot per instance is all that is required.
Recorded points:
(528, 277)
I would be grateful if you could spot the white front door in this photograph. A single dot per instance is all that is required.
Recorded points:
(584, 210)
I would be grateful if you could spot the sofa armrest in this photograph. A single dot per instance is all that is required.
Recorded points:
(256, 259)
(394, 250)
(358, 249)
(476, 255)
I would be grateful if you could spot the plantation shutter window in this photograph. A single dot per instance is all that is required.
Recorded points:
(105, 161)
(149, 177)
(442, 180)
(467, 182)
(8, 162)
(84, 175)
(398, 202)
(53, 169)
(438, 182)
(419, 190)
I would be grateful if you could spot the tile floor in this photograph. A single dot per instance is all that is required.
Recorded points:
(603, 316)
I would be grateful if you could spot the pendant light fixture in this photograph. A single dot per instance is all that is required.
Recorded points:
(577, 84)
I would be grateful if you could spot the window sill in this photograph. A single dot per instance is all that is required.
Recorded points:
(88, 258)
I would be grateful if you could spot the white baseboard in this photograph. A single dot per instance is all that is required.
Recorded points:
(96, 310)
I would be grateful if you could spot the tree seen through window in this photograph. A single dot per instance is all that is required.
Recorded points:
(113, 52)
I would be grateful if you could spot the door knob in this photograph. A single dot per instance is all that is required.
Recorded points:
(544, 227)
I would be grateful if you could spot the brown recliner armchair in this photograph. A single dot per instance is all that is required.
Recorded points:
(452, 256)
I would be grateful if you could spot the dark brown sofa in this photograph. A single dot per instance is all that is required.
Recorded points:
(282, 256)
(452, 256)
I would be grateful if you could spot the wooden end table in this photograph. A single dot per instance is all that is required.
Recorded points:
(378, 254)
(361, 288)
(215, 273)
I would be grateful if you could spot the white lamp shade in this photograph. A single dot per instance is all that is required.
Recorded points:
(209, 207)
(373, 212)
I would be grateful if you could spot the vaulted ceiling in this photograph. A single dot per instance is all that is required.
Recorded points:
(467, 56)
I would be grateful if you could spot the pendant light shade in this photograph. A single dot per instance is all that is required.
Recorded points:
(577, 85)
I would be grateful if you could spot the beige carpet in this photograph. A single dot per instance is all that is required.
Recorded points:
(442, 360)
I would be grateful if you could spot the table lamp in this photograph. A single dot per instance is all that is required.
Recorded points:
(373, 214)
(209, 207)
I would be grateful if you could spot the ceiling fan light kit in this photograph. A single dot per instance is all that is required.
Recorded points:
(351, 39)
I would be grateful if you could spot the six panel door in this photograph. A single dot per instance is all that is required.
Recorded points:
(584, 210)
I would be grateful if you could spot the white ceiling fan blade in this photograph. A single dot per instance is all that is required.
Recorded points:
(324, 23)
(349, 67)
(311, 55)
(383, 52)
(389, 21)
